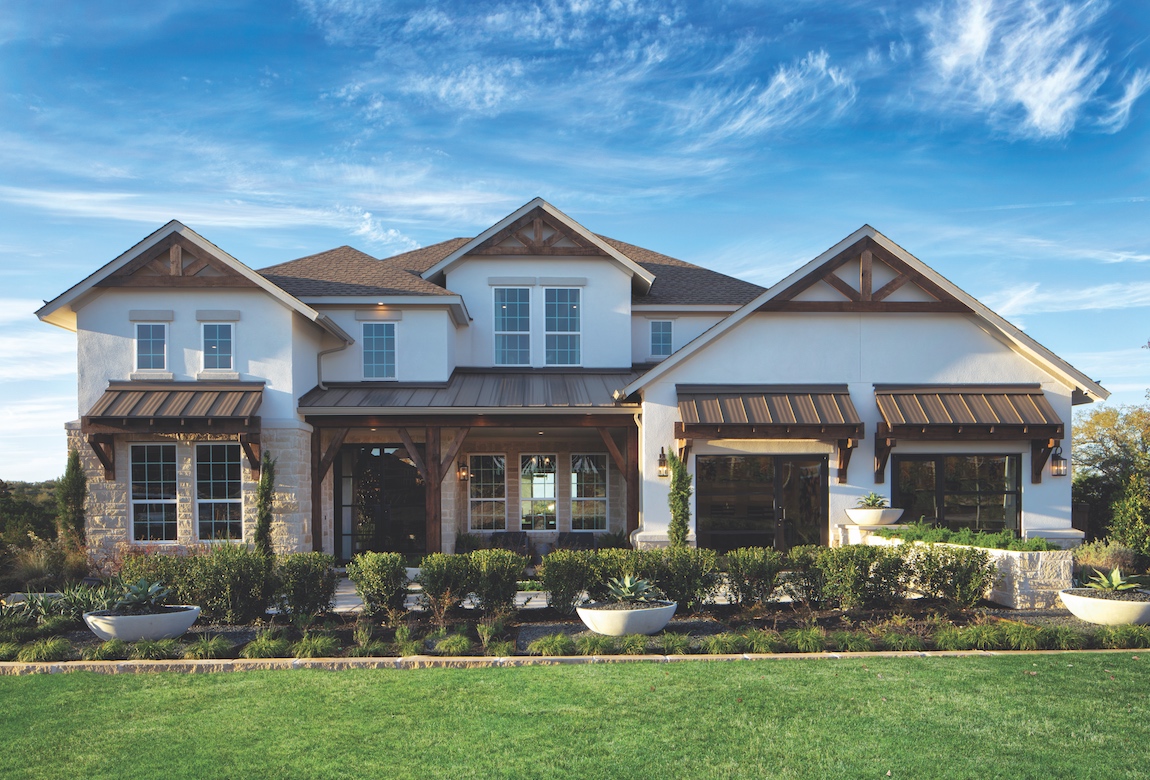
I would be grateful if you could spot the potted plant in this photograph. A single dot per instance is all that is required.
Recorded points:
(873, 509)
(142, 613)
(633, 608)
(1108, 601)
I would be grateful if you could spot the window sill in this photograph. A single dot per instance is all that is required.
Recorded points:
(212, 375)
(153, 376)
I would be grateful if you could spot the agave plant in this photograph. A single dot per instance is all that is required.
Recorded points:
(142, 598)
(631, 588)
(1113, 583)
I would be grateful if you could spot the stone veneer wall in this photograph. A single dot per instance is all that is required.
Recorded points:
(1026, 580)
(108, 507)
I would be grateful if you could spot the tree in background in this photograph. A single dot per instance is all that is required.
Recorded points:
(679, 501)
(70, 494)
(26, 508)
(265, 495)
(1111, 446)
(1131, 512)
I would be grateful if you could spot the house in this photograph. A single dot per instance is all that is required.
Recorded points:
(534, 377)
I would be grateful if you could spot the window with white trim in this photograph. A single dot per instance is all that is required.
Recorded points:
(151, 346)
(153, 470)
(588, 492)
(219, 492)
(561, 326)
(487, 493)
(537, 492)
(660, 338)
(217, 346)
(379, 350)
(512, 326)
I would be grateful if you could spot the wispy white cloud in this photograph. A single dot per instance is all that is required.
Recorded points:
(36, 352)
(1032, 66)
(1119, 114)
(481, 88)
(1032, 299)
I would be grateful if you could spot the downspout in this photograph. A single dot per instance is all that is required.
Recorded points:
(347, 342)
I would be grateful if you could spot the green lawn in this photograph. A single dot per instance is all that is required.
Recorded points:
(1040, 716)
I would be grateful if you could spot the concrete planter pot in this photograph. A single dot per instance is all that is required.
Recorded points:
(1105, 612)
(874, 516)
(133, 628)
(620, 622)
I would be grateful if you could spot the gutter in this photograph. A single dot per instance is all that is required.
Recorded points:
(339, 333)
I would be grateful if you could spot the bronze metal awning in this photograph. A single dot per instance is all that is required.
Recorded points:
(966, 413)
(821, 412)
(227, 408)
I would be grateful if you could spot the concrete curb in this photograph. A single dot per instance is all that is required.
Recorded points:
(14, 668)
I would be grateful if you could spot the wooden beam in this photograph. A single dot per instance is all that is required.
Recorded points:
(846, 449)
(632, 480)
(103, 445)
(557, 251)
(476, 420)
(452, 451)
(880, 307)
(433, 490)
(976, 432)
(883, 444)
(616, 455)
(176, 260)
(890, 287)
(866, 266)
(220, 425)
(413, 453)
(332, 451)
(685, 449)
(250, 442)
(228, 280)
(835, 281)
(1040, 453)
(764, 431)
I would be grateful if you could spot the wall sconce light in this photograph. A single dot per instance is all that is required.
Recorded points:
(1057, 463)
(461, 471)
(663, 470)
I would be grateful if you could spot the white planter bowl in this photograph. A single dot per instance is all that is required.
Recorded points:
(1106, 612)
(133, 628)
(621, 622)
(869, 516)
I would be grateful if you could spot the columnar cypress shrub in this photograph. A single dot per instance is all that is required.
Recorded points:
(752, 573)
(679, 501)
(265, 494)
(380, 580)
(566, 575)
(495, 578)
(70, 494)
(305, 583)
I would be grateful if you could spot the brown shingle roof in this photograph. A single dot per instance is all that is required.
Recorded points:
(679, 282)
(347, 271)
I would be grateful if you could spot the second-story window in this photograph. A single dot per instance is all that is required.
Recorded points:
(217, 346)
(151, 346)
(660, 338)
(561, 310)
(379, 350)
(512, 326)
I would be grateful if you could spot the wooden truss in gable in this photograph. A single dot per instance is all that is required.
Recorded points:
(862, 297)
(537, 233)
(176, 262)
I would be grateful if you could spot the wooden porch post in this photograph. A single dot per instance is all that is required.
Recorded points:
(632, 476)
(434, 490)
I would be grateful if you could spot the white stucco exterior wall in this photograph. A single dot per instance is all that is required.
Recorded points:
(686, 326)
(860, 350)
(424, 343)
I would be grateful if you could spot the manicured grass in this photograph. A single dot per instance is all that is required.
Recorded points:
(1067, 715)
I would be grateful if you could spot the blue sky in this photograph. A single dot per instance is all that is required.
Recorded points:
(1003, 142)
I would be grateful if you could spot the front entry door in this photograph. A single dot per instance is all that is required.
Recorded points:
(380, 502)
(775, 501)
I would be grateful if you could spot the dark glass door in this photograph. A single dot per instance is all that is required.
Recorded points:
(380, 502)
(775, 501)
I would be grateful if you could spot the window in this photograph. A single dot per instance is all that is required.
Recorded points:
(561, 310)
(487, 493)
(979, 492)
(512, 326)
(154, 492)
(217, 346)
(151, 346)
(660, 338)
(588, 492)
(219, 498)
(379, 350)
(537, 492)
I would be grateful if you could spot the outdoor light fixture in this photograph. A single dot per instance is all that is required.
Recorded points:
(1057, 463)
(461, 471)
(663, 470)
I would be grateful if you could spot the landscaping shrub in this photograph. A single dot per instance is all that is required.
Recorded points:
(1003, 540)
(231, 583)
(154, 650)
(687, 575)
(500, 649)
(1104, 555)
(456, 644)
(812, 639)
(45, 651)
(267, 644)
(552, 644)
(488, 629)
(1023, 636)
(952, 638)
(986, 637)
(596, 644)
(960, 576)
(566, 576)
(444, 580)
(210, 647)
(174, 570)
(803, 581)
(494, 578)
(633, 644)
(752, 574)
(612, 564)
(672, 643)
(762, 641)
(898, 640)
(861, 576)
(112, 650)
(852, 642)
(305, 583)
(315, 646)
(47, 564)
(1126, 637)
(9, 651)
(1063, 638)
(380, 580)
(726, 643)
(77, 599)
